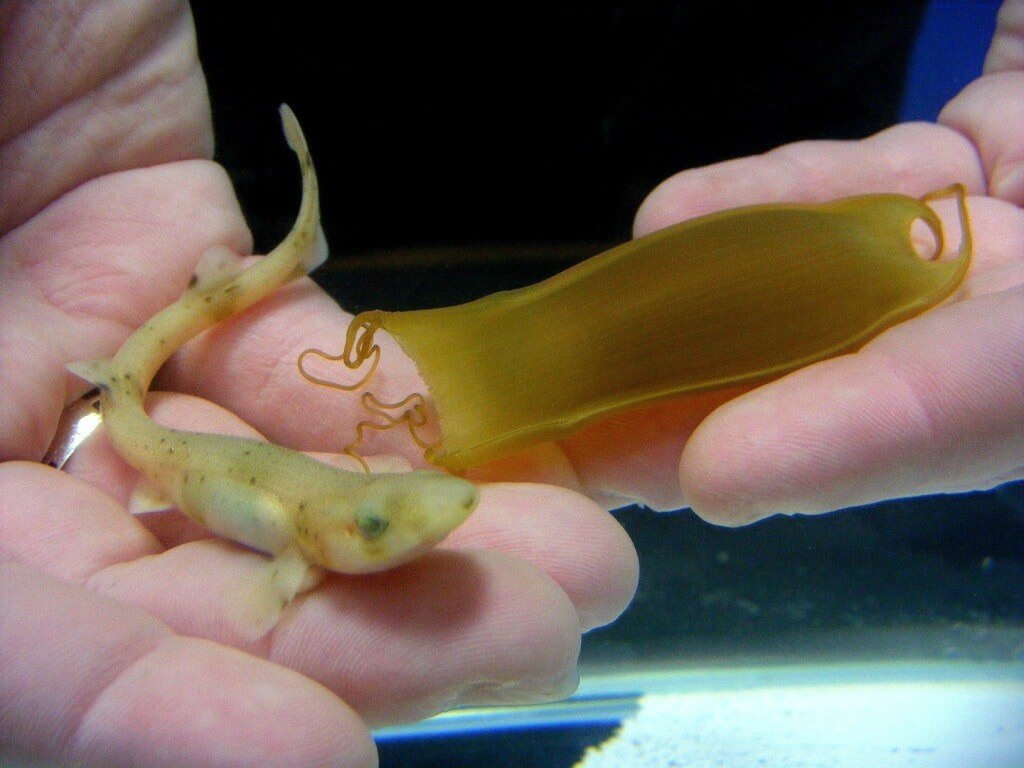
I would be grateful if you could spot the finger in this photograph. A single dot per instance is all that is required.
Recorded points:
(63, 526)
(990, 113)
(133, 96)
(997, 262)
(914, 159)
(66, 274)
(990, 110)
(579, 545)
(90, 681)
(457, 626)
(448, 628)
(633, 457)
(933, 405)
(1007, 50)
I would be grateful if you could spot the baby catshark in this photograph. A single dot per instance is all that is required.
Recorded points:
(307, 514)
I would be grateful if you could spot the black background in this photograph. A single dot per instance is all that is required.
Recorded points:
(433, 125)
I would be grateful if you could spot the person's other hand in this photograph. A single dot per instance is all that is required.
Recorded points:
(116, 644)
(933, 405)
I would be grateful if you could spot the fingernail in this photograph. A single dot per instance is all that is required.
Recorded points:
(1008, 184)
(534, 691)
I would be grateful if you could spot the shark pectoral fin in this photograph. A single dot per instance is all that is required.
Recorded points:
(256, 518)
(149, 497)
(291, 574)
(258, 605)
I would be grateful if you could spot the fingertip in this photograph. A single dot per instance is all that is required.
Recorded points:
(544, 631)
(819, 439)
(564, 534)
(660, 208)
(723, 470)
(600, 569)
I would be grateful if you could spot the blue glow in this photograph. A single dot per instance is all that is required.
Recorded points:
(949, 53)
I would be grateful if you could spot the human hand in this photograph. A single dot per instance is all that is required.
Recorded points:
(934, 405)
(115, 641)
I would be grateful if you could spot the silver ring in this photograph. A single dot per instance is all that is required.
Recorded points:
(77, 422)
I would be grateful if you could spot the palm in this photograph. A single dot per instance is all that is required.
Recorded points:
(92, 249)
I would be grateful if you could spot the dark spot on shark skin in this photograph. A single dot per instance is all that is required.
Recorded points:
(302, 520)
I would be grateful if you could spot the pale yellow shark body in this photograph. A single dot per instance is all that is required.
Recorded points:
(307, 514)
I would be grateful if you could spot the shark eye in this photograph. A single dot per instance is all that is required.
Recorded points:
(370, 522)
